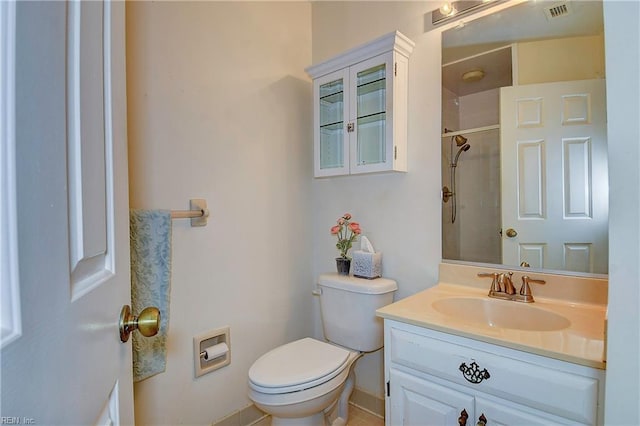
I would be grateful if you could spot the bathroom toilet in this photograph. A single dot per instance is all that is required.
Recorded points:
(308, 382)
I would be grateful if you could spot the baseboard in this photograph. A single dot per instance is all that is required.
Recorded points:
(250, 415)
(247, 416)
(368, 402)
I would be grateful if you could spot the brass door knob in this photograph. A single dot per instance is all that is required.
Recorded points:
(511, 233)
(147, 323)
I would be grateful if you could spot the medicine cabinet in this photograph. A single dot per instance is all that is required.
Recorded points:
(360, 108)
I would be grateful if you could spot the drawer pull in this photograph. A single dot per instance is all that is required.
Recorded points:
(482, 420)
(473, 374)
(462, 420)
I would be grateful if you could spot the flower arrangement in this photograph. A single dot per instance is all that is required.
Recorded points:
(346, 232)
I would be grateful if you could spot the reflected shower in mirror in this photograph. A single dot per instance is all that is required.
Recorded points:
(524, 156)
(447, 193)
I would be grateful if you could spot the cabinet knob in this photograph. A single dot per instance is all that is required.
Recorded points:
(462, 420)
(482, 420)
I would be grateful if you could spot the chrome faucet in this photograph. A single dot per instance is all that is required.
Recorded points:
(502, 287)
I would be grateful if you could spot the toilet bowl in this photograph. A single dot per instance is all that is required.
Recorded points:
(308, 382)
(300, 382)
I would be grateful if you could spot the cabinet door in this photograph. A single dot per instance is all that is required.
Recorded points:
(331, 144)
(418, 402)
(371, 112)
(506, 413)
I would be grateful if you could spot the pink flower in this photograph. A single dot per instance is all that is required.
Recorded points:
(346, 232)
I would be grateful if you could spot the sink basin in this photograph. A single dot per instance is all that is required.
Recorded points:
(501, 314)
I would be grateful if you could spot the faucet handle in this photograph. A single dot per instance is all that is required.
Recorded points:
(487, 274)
(525, 290)
(495, 284)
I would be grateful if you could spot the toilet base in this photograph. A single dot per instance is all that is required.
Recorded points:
(314, 420)
(335, 415)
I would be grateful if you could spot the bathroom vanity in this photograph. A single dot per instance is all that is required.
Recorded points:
(455, 356)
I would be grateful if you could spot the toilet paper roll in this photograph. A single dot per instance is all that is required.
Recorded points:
(215, 351)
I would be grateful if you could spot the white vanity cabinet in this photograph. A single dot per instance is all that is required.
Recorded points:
(426, 384)
(360, 109)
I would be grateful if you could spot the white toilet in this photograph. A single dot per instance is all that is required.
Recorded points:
(308, 382)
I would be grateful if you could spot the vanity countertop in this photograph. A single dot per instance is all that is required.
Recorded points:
(582, 342)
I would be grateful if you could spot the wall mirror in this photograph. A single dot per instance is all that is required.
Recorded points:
(524, 155)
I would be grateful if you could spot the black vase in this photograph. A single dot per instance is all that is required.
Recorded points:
(343, 265)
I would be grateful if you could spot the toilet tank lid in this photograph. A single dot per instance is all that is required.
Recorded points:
(357, 285)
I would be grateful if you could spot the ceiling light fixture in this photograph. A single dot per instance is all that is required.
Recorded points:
(447, 9)
(473, 75)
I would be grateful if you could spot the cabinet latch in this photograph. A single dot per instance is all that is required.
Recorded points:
(350, 127)
(389, 388)
(395, 69)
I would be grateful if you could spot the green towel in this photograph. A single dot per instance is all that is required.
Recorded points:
(150, 285)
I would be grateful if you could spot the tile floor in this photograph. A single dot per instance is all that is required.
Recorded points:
(357, 417)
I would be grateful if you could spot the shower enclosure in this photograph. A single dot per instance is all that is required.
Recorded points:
(470, 146)
(471, 172)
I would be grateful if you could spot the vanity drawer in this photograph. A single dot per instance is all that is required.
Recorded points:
(541, 385)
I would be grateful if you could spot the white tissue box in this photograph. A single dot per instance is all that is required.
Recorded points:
(366, 265)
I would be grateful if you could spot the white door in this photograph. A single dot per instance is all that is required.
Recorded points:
(554, 175)
(69, 367)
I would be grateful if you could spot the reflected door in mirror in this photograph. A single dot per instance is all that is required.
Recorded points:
(553, 140)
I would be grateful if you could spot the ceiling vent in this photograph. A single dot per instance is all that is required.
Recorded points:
(557, 10)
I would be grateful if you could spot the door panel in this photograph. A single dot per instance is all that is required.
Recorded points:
(90, 170)
(69, 366)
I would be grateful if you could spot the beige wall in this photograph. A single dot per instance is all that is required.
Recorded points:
(562, 59)
(220, 108)
(209, 138)
(399, 212)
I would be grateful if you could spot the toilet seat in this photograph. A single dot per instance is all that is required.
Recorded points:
(298, 365)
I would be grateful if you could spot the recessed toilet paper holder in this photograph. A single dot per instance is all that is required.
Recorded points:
(212, 350)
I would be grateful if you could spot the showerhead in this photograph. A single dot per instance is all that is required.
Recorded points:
(465, 148)
(460, 140)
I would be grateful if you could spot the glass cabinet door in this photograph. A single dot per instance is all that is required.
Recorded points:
(331, 116)
(331, 98)
(371, 101)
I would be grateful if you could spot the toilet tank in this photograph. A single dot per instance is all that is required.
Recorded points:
(348, 307)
